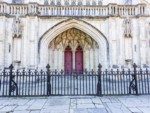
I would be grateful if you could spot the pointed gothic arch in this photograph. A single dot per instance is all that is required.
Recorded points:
(87, 28)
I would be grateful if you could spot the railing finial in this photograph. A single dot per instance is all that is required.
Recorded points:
(11, 66)
(48, 66)
(134, 65)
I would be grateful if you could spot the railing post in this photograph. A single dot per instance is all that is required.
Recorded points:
(135, 77)
(99, 85)
(48, 80)
(10, 78)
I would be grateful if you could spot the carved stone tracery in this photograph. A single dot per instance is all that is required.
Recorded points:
(73, 38)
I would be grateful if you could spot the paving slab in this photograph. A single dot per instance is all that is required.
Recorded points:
(21, 108)
(144, 109)
(80, 110)
(110, 104)
(99, 106)
(83, 106)
(96, 101)
(55, 111)
(1, 107)
(56, 107)
(135, 110)
(21, 112)
(8, 109)
(103, 110)
(84, 101)
(106, 100)
(118, 108)
(57, 102)
(37, 104)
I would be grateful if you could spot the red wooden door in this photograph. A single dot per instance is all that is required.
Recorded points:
(79, 60)
(68, 60)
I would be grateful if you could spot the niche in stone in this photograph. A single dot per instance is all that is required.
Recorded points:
(127, 28)
(17, 39)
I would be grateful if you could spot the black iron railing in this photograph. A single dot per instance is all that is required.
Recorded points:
(52, 83)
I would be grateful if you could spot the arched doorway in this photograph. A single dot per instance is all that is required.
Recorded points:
(68, 60)
(73, 50)
(79, 60)
(94, 44)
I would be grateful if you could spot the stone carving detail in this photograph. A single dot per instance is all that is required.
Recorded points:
(74, 38)
(127, 28)
(17, 39)
(17, 27)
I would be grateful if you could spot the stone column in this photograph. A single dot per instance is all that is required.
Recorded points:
(32, 53)
(86, 59)
(95, 59)
(52, 58)
(55, 59)
(91, 59)
(128, 48)
(63, 60)
(114, 51)
(2, 42)
(143, 52)
(1, 53)
(17, 50)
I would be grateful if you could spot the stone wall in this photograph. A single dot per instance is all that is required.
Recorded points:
(35, 27)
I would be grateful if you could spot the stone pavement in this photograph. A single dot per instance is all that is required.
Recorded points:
(82, 104)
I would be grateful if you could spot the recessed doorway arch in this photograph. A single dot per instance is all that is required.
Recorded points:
(73, 50)
(95, 34)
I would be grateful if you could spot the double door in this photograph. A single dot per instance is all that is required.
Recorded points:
(78, 60)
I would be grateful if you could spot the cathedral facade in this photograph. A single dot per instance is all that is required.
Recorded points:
(74, 34)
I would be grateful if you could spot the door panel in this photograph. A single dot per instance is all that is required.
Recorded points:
(79, 60)
(68, 60)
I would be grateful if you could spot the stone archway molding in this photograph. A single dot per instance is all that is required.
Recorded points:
(87, 28)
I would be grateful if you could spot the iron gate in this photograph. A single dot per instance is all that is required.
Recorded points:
(48, 83)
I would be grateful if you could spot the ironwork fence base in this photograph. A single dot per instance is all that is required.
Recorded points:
(51, 83)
